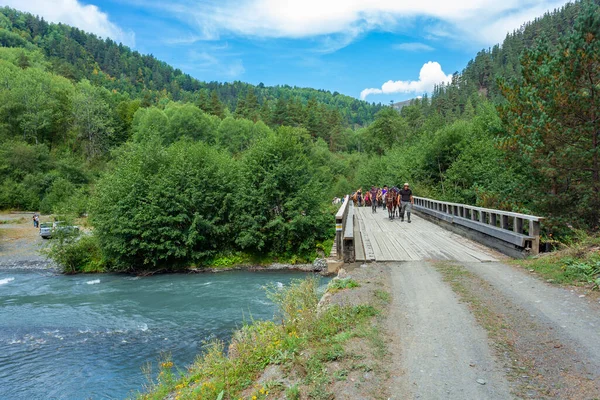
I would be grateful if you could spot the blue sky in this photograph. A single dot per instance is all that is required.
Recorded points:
(380, 50)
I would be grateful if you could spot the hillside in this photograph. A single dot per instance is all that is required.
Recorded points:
(77, 55)
(502, 61)
(401, 104)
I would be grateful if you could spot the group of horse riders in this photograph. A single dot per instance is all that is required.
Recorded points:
(397, 201)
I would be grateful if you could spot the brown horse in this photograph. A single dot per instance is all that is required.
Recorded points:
(391, 200)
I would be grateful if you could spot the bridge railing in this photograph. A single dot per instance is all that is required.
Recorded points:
(344, 231)
(520, 230)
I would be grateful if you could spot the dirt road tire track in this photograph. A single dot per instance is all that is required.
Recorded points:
(440, 350)
(553, 331)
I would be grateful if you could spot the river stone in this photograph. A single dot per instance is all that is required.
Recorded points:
(320, 264)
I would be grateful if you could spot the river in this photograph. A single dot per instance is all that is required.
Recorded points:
(82, 337)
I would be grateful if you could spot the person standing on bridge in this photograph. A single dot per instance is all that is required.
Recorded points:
(406, 202)
(373, 195)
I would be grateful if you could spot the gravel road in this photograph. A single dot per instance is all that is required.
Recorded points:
(548, 345)
(575, 319)
(440, 349)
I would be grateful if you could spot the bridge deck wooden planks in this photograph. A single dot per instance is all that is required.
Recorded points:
(385, 240)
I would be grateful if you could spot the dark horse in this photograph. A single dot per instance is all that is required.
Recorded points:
(391, 200)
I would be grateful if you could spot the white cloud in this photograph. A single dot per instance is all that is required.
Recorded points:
(86, 17)
(341, 21)
(416, 46)
(203, 61)
(431, 74)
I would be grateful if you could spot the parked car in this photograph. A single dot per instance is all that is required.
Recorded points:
(48, 229)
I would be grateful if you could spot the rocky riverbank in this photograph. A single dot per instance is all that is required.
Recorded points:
(318, 266)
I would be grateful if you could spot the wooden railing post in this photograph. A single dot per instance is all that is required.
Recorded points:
(534, 230)
(518, 225)
(504, 222)
(340, 224)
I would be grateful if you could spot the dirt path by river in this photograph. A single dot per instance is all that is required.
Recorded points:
(20, 242)
(489, 331)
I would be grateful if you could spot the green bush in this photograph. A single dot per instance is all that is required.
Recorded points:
(165, 208)
(59, 192)
(76, 253)
(18, 196)
(280, 202)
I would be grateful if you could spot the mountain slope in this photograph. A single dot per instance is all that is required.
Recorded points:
(76, 55)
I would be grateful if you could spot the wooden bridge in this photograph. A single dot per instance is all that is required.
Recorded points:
(439, 231)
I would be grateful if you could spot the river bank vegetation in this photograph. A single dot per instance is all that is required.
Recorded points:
(314, 350)
(175, 172)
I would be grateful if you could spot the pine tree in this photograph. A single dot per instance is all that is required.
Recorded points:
(216, 107)
(23, 61)
(469, 111)
(202, 101)
(280, 113)
(553, 118)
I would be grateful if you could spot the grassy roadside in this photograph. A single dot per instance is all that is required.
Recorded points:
(576, 264)
(496, 324)
(314, 352)
(537, 363)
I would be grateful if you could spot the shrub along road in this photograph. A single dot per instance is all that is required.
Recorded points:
(490, 331)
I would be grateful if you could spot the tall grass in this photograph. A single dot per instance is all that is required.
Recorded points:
(576, 263)
(303, 342)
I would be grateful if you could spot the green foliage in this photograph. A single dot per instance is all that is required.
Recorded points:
(92, 118)
(226, 260)
(292, 393)
(279, 193)
(384, 296)
(341, 284)
(576, 263)
(76, 253)
(186, 120)
(165, 207)
(389, 129)
(238, 135)
(552, 122)
(583, 271)
(59, 191)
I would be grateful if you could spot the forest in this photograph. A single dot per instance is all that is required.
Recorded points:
(174, 172)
